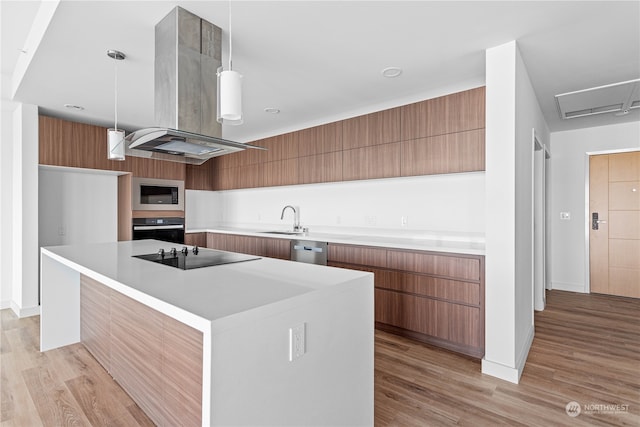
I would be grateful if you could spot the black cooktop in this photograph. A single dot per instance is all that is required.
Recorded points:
(186, 259)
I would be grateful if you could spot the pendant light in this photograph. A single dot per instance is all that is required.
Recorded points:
(115, 136)
(229, 90)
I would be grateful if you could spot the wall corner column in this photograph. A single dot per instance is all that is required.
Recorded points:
(500, 360)
(24, 218)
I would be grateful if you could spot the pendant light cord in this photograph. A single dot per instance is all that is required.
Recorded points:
(230, 45)
(115, 89)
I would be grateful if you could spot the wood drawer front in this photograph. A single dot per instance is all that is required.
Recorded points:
(365, 256)
(95, 313)
(430, 317)
(455, 267)
(428, 286)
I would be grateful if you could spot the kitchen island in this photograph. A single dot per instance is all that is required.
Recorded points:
(276, 342)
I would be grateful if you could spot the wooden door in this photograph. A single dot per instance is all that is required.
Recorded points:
(614, 214)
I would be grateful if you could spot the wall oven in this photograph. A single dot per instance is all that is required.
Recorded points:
(157, 194)
(167, 229)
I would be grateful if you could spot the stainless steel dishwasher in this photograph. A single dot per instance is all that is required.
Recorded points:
(309, 251)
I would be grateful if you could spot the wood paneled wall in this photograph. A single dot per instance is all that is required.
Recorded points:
(79, 145)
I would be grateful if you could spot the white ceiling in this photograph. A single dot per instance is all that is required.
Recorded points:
(320, 61)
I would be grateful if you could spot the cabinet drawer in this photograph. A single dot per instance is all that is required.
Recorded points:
(428, 286)
(451, 266)
(357, 255)
(455, 323)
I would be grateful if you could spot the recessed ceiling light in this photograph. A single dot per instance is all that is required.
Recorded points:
(271, 110)
(74, 107)
(391, 72)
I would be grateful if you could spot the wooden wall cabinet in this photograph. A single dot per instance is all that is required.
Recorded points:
(433, 297)
(79, 145)
(156, 359)
(378, 128)
(436, 136)
(440, 135)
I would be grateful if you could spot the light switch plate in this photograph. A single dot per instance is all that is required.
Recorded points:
(297, 342)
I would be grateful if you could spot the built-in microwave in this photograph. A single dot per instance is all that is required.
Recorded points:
(148, 194)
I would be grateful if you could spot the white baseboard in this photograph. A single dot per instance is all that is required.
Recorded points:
(570, 287)
(498, 370)
(509, 373)
(25, 311)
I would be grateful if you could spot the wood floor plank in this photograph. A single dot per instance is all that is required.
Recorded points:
(586, 349)
(55, 404)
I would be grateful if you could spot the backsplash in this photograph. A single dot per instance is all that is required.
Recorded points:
(448, 205)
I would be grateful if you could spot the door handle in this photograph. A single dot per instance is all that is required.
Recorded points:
(595, 222)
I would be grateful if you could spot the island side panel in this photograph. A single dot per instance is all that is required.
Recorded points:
(254, 383)
(60, 304)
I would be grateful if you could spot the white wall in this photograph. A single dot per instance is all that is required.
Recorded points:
(512, 111)
(77, 207)
(568, 194)
(449, 205)
(6, 201)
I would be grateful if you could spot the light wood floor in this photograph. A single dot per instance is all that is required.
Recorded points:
(586, 349)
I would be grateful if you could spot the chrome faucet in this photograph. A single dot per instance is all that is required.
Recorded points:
(296, 217)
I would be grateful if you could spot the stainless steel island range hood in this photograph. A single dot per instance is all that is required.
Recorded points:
(188, 53)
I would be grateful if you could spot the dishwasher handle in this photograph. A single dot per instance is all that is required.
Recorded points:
(309, 251)
(307, 248)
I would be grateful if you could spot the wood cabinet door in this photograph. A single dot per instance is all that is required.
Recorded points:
(196, 239)
(136, 353)
(378, 161)
(321, 139)
(377, 128)
(95, 320)
(450, 153)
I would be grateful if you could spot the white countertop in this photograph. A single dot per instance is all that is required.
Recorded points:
(447, 242)
(202, 296)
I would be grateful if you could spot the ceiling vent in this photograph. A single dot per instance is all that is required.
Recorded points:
(617, 98)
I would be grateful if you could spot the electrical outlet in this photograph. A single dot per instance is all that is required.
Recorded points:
(565, 215)
(404, 220)
(62, 231)
(370, 220)
(297, 342)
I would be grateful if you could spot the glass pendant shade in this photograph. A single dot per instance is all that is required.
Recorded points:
(229, 97)
(115, 140)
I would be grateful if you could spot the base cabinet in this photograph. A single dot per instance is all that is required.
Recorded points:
(259, 246)
(156, 359)
(433, 297)
(196, 239)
